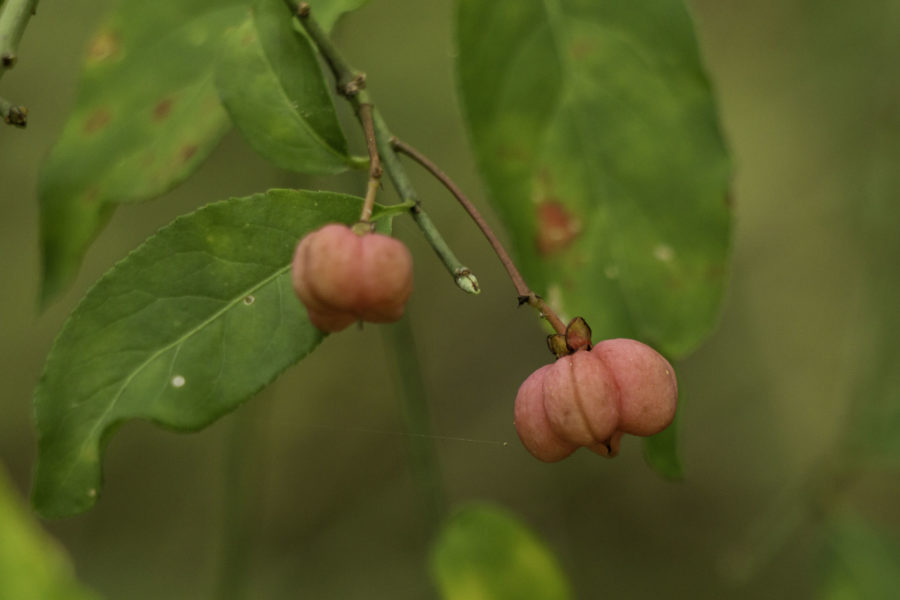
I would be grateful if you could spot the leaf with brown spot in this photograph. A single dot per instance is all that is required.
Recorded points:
(96, 121)
(602, 152)
(615, 128)
(556, 227)
(162, 109)
(151, 62)
(188, 151)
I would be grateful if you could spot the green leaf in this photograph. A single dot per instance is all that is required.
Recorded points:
(484, 553)
(873, 423)
(595, 128)
(32, 565)
(862, 562)
(192, 323)
(270, 81)
(146, 116)
(328, 13)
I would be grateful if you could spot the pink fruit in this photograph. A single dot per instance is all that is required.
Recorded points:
(581, 399)
(532, 424)
(342, 277)
(565, 405)
(591, 398)
(647, 384)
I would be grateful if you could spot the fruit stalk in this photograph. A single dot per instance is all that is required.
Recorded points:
(352, 85)
(526, 295)
(365, 117)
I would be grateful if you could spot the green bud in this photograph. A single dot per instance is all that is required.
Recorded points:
(467, 282)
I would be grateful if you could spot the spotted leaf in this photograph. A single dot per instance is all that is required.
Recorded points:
(596, 131)
(146, 116)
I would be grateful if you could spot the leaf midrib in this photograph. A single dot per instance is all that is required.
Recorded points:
(102, 418)
(287, 100)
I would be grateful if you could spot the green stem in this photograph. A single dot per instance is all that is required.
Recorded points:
(424, 463)
(241, 482)
(14, 16)
(463, 277)
(351, 84)
(393, 210)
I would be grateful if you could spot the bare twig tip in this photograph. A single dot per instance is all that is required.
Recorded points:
(17, 116)
(303, 10)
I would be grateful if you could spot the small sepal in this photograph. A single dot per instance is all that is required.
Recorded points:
(557, 344)
(363, 227)
(578, 335)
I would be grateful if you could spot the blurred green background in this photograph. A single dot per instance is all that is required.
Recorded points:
(799, 379)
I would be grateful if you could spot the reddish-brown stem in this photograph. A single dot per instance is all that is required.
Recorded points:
(526, 296)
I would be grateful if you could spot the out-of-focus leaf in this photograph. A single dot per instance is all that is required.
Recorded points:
(862, 563)
(146, 116)
(595, 128)
(661, 450)
(188, 326)
(874, 428)
(32, 565)
(270, 81)
(874, 425)
(484, 553)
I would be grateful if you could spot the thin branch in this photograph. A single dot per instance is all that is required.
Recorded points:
(463, 277)
(349, 80)
(365, 117)
(351, 84)
(526, 296)
(14, 15)
(404, 148)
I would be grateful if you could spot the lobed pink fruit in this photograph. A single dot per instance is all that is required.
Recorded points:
(647, 384)
(581, 399)
(532, 424)
(591, 398)
(342, 277)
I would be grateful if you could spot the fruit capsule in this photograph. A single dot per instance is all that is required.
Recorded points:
(342, 277)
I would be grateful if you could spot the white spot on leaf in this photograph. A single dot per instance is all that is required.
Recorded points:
(249, 300)
(178, 381)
